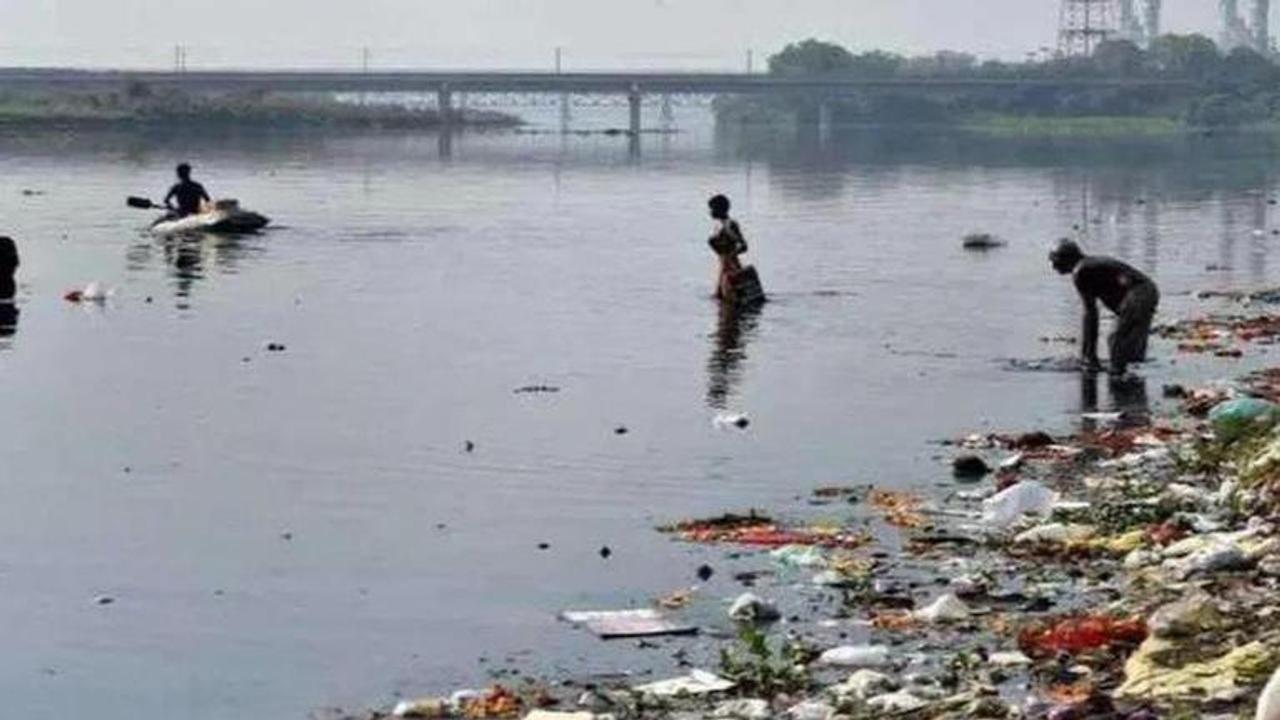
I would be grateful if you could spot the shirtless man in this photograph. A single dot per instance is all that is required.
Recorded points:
(728, 243)
(189, 194)
(1128, 293)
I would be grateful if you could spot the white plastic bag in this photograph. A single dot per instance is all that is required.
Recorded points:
(1011, 504)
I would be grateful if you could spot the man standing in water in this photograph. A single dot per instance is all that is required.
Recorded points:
(1128, 293)
(736, 284)
(8, 287)
(189, 194)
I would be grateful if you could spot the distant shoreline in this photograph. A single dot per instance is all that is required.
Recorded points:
(140, 108)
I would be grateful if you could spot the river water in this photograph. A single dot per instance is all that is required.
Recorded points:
(288, 531)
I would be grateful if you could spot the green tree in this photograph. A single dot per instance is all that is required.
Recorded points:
(1185, 56)
(811, 57)
(1118, 58)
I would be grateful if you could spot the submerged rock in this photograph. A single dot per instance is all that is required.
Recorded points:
(749, 607)
(970, 467)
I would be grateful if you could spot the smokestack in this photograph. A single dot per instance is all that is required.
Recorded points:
(1152, 24)
(1229, 15)
(1262, 26)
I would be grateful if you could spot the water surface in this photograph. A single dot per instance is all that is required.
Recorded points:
(288, 531)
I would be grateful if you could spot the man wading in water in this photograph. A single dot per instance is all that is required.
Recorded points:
(736, 284)
(1128, 293)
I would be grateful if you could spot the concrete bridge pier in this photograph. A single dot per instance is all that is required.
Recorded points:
(566, 112)
(826, 116)
(635, 102)
(444, 101)
(668, 112)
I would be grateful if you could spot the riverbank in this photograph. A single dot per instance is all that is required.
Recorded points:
(140, 107)
(1126, 569)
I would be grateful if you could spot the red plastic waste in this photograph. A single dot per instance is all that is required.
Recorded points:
(1081, 634)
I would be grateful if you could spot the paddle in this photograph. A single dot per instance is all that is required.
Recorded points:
(142, 203)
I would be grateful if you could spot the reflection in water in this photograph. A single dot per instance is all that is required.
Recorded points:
(188, 259)
(1128, 396)
(735, 328)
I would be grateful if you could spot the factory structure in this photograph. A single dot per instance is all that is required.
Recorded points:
(1085, 23)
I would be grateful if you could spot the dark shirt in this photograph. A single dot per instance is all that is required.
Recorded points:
(188, 193)
(1107, 280)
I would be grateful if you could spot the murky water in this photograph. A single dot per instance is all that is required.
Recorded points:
(287, 531)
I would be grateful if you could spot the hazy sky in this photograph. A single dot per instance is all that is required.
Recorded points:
(518, 33)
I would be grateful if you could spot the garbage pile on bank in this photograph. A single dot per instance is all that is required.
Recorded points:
(1126, 573)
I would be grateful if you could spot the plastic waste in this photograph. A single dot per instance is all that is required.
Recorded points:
(697, 682)
(423, 708)
(1055, 534)
(93, 292)
(1187, 617)
(898, 702)
(1149, 679)
(1081, 634)
(856, 656)
(803, 556)
(728, 421)
(1011, 658)
(750, 607)
(554, 715)
(862, 684)
(1222, 557)
(1269, 700)
(1234, 419)
(1011, 504)
(745, 709)
(947, 608)
(811, 710)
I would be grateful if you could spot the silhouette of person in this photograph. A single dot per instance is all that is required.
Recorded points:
(8, 286)
(1132, 296)
(735, 284)
(189, 195)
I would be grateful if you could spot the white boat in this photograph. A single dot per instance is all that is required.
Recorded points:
(225, 216)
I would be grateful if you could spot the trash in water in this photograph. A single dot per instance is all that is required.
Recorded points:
(93, 292)
(550, 715)
(752, 608)
(970, 467)
(697, 682)
(856, 656)
(802, 556)
(759, 531)
(612, 624)
(497, 702)
(1049, 364)
(532, 389)
(900, 509)
(423, 708)
(1081, 634)
(947, 608)
(981, 241)
(1011, 504)
(1236, 418)
(676, 600)
(731, 420)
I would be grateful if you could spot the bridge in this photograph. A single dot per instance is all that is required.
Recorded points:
(632, 85)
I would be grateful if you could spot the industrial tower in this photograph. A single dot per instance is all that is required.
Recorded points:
(1083, 24)
(1253, 33)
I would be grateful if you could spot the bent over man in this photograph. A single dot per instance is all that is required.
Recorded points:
(1132, 296)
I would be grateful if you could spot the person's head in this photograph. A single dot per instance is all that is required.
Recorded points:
(719, 207)
(1066, 256)
(8, 256)
(184, 171)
